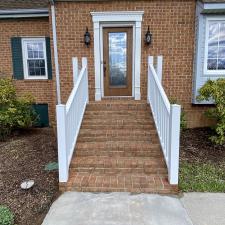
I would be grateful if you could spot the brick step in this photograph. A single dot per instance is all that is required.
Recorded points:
(118, 146)
(118, 162)
(118, 113)
(118, 105)
(116, 171)
(116, 133)
(90, 182)
(119, 117)
(151, 139)
(117, 126)
(128, 121)
(116, 153)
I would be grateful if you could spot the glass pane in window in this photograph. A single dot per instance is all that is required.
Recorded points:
(29, 47)
(31, 64)
(42, 71)
(221, 64)
(42, 63)
(222, 35)
(40, 46)
(221, 52)
(35, 47)
(212, 64)
(31, 72)
(213, 33)
(35, 54)
(212, 51)
(30, 54)
(41, 54)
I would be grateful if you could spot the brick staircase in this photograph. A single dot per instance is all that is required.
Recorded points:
(118, 150)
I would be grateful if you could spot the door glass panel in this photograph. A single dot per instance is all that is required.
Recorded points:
(117, 58)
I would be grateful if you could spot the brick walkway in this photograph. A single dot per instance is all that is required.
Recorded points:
(118, 150)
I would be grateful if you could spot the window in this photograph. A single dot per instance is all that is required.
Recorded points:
(34, 58)
(215, 47)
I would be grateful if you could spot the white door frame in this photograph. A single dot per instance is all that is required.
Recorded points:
(117, 18)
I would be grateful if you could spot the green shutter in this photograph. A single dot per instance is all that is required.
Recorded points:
(17, 58)
(49, 60)
(42, 112)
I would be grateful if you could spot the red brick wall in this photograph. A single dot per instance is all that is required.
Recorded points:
(170, 21)
(172, 25)
(42, 90)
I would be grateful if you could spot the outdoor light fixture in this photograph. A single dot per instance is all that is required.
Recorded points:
(87, 38)
(148, 37)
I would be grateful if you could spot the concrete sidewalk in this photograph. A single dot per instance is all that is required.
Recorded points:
(205, 208)
(77, 208)
(74, 208)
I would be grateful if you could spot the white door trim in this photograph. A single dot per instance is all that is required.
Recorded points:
(122, 18)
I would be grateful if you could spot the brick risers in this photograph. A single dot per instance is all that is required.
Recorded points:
(118, 150)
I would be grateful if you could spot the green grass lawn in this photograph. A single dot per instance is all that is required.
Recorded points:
(201, 177)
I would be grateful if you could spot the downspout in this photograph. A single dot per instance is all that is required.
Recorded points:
(56, 60)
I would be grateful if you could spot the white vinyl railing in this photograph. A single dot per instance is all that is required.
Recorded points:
(69, 118)
(166, 117)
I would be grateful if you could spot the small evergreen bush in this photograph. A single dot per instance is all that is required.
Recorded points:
(15, 112)
(215, 90)
(6, 216)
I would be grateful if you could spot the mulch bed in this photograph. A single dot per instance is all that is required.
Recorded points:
(24, 156)
(195, 146)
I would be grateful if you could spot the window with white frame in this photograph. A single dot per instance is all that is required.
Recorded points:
(34, 58)
(215, 46)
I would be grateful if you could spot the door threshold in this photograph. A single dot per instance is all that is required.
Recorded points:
(118, 97)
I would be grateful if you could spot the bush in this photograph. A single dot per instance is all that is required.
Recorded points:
(183, 121)
(15, 112)
(6, 216)
(215, 90)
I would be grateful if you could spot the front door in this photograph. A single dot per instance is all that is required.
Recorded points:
(117, 61)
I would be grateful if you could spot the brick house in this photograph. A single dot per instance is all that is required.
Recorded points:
(38, 43)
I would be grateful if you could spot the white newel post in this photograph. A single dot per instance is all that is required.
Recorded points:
(150, 62)
(159, 67)
(175, 111)
(75, 69)
(62, 148)
(84, 64)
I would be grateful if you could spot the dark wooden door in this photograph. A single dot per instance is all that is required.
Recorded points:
(117, 61)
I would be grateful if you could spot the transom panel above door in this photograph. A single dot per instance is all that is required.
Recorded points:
(117, 61)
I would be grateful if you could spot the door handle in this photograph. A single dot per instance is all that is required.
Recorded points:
(104, 68)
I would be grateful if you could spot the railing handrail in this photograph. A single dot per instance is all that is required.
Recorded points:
(160, 87)
(69, 118)
(75, 88)
(167, 119)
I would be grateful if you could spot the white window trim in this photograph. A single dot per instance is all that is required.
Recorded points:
(206, 71)
(121, 17)
(25, 58)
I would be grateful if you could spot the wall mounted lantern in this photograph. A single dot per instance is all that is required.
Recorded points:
(87, 38)
(148, 37)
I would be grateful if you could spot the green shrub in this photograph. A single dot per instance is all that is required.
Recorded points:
(183, 121)
(15, 112)
(215, 90)
(6, 216)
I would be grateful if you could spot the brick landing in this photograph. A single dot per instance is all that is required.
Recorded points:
(118, 150)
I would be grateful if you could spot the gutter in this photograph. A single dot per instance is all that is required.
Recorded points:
(56, 60)
(21, 13)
